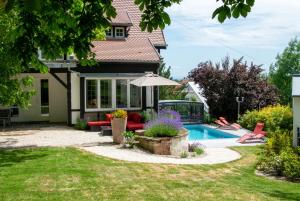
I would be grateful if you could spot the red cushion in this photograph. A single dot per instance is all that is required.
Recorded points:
(134, 116)
(108, 117)
(134, 126)
(98, 123)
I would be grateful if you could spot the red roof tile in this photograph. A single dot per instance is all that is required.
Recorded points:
(129, 50)
(138, 46)
(156, 37)
(122, 19)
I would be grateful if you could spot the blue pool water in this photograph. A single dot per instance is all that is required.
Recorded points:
(200, 132)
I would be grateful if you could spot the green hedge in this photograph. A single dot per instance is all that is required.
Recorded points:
(279, 157)
(274, 118)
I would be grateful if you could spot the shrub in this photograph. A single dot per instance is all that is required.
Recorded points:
(81, 124)
(194, 145)
(184, 154)
(129, 138)
(161, 130)
(120, 114)
(279, 157)
(199, 151)
(145, 116)
(274, 117)
(167, 125)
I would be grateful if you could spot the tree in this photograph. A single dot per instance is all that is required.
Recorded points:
(169, 92)
(59, 27)
(287, 64)
(13, 91)
(221, 85)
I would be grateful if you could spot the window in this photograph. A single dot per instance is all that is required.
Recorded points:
(44, 97)
(106, 93)
(121, 93)
(135, 96)
(14, 111)
(119, 31)
(109, 33)
(91, 94)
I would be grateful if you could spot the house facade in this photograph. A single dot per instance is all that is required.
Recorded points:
(296, 110)
(70, 91)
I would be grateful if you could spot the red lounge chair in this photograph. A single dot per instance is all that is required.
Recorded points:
(98, 124)
(234, 125)
(223, 126)
(134, 121)
(257, 134)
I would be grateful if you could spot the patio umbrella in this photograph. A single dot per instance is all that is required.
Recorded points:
(150, 80)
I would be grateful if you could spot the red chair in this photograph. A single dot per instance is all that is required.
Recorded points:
(257, 134)
(223, 126)
(234, 125)
(134, 121)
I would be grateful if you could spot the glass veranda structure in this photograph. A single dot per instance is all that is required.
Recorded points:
(190, 112)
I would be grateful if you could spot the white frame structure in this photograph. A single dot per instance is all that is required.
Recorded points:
(123, 31)
(114, 97)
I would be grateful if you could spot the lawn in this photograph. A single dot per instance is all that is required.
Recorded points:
(70, 174)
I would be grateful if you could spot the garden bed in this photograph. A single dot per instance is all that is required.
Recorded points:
(165, 145)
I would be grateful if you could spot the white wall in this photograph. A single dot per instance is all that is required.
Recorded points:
(296, 115)
(57, 100)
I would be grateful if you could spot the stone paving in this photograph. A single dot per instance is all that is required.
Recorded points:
(216, 151)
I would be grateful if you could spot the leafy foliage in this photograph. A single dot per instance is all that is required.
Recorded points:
(279, 157)
(129, 138)
(234, 8)
(169, 92)
(222, 83)
(81, 124)
(287, 64)
(161, 130)
(274, 117)
(13, 91)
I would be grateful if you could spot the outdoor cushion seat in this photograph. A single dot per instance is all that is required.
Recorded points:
(132, 126)
(98, 123)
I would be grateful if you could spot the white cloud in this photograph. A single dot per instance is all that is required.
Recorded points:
(270, 24)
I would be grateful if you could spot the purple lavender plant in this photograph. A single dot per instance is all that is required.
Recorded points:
(166, 117)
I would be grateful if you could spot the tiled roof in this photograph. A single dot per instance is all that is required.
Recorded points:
(122, 18)
(138, 46)
(129, 50)
(156, 37)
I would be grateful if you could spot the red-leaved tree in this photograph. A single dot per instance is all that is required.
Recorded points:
(222, 83)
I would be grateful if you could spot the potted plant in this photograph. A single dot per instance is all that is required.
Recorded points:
(118, 125)
(165, 135)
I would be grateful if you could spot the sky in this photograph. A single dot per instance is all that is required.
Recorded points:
(195, 37)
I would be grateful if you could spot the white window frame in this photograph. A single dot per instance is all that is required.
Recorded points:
(123, 31)
(111, 32)
(114, 97)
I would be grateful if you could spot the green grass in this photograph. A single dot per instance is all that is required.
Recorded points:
(70, 174)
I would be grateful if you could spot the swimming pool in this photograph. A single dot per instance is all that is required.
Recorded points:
(200, 132)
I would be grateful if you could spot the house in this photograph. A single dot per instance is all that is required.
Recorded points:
(296, 110)
(194, 93)
(69, 91)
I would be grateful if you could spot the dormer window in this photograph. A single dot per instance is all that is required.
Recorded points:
(119, 32)
(109, 33)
